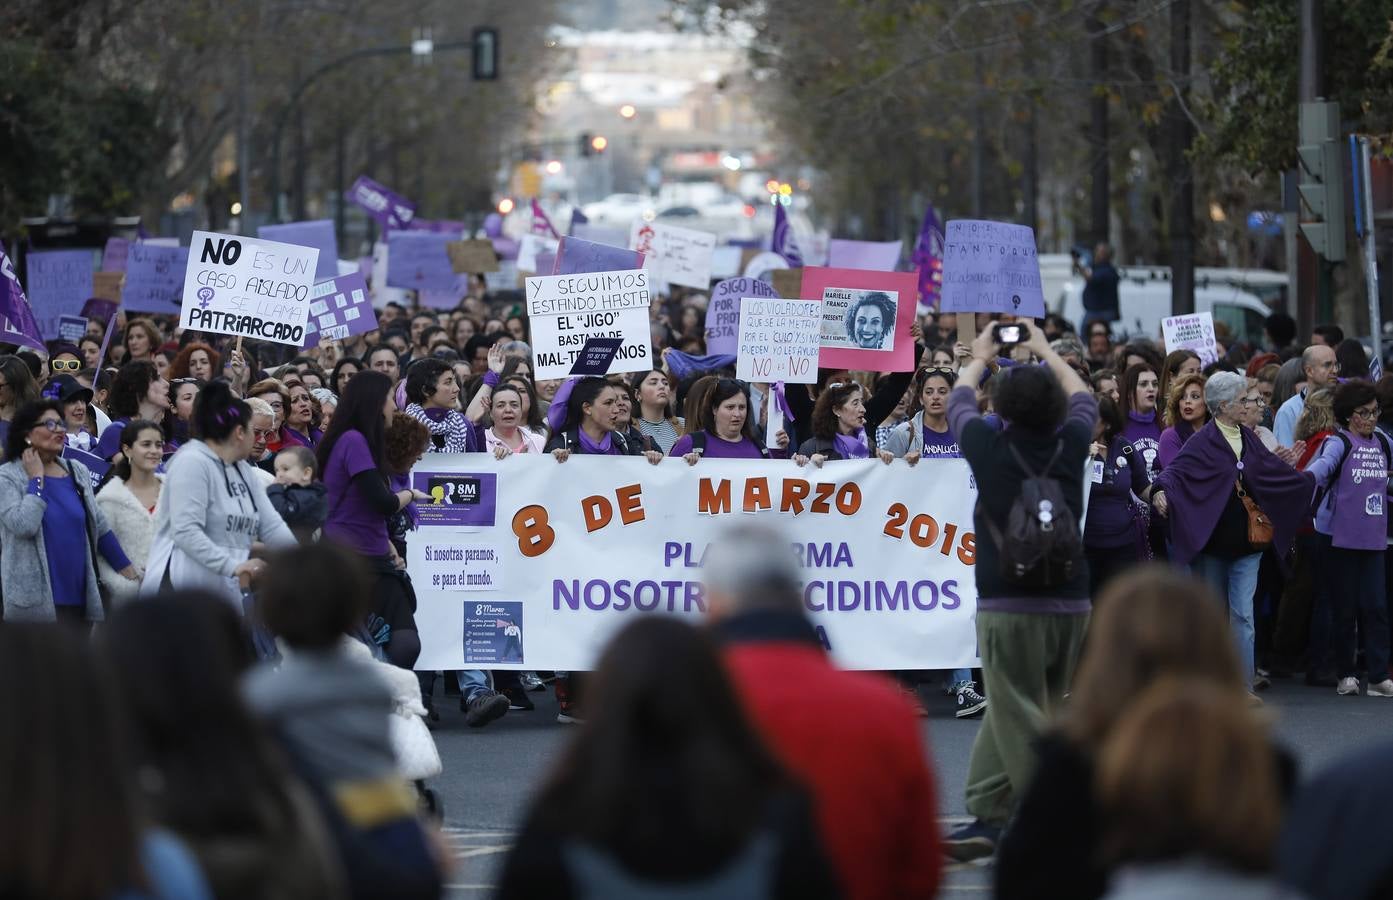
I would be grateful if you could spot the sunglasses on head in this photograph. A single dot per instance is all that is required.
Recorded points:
(66, 365)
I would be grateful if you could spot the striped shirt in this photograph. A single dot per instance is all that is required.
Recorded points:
(663, 433)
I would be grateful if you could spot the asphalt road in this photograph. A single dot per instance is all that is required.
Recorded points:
(491, 772)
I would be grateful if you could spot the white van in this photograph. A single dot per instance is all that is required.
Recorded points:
(1143, 304)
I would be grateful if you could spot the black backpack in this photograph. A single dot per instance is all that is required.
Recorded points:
(1041, 547)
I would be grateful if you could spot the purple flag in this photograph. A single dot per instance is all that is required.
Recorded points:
(318, 234)
(540, 223)
(928, 259)
(390, 209)
(339, 308)
(576, 256)
(18, 319)
(784, 244)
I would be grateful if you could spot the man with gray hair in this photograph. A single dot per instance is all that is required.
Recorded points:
(849, 737)
(1318, 362)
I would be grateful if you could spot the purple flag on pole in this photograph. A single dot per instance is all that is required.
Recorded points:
(390, 209)
(19, 326)
(784, 244)
(540, 223)
(928, 259)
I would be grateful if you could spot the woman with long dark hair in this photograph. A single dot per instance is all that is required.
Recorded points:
(926, 435)
(727, 427)
(213, 509)
(672, 791)
(210, 772)
(655, 414)
(137, 392)
(1141, 402)
(838, 425)
(344, 369)
(353, 459)
(129, 499)
(592, 422)
(178, 425)
(17, 389)
(74, 828)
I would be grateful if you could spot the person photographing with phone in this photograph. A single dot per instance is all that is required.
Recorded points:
(1031, 572)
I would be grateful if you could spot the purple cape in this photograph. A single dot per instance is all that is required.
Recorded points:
(1199, 481)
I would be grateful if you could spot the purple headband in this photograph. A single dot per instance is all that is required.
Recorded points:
(230, 415)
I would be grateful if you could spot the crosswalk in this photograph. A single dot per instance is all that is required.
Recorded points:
(478, 855)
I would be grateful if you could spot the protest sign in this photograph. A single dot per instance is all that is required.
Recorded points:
(786, 282)
(107, 285)
(575, 256)
(446, 299)
(381, 293)
(565, 311)
(866, 318)
(248, 287)
(114, 254)
(596, 356)
(874, 255)
(505, 279)
(451, 227)
(761, 264)
(530, 247)
(725, 261)
(388, 208)
(472, 257)
(71, 328)
(674, 255)
(100, 308)
(59, 282)
(723, 312)
(154, 278)
(416, 260)
(600, 234)
(1191, 332)
(584, 547)
(778, 340)
(991, 267)
(339, 308)
(318, 233)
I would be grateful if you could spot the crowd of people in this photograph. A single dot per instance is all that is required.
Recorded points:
(202, 567)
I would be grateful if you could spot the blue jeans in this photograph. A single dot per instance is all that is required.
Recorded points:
(1236, 579)
(471, 682)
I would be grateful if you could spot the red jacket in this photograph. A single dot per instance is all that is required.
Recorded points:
(854, 743)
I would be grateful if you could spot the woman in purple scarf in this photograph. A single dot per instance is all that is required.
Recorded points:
(838, 424)
(433, 400)
(1199, 494)
(592, 425)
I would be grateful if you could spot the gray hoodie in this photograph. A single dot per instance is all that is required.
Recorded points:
(209, 515)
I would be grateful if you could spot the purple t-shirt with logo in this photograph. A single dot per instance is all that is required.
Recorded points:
(352, 522)
(940, 445)
(718, 448)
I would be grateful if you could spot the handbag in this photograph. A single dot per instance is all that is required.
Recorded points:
(1259, 525)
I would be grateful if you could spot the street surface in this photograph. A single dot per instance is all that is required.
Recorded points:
(490, 772)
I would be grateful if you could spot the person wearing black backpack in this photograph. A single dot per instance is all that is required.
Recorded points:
(1032, 575)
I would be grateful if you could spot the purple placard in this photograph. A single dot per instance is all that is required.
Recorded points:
(99, 309)
(418, 260)
(437, 226)
(71, 328)
(318, 233)
(596, 355)
(154, 279)
(114, 254)
(872, 255)
(459, 498)
(59, 282)
(390, 209)
(339, 308)
(576, 256)
(94, 463)
(723, 312)
(450, 299)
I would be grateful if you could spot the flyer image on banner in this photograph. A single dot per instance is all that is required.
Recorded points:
(339, 309)
(566, 311)
(58, 282)
(723, 312)
(1191, 332)
(859, 319)
(460, 499)
(589, 545)
(866, 318)
(674, 255)
(154, 278)
(318, 234)
(778, 340)
(247, 287)
(991, 267)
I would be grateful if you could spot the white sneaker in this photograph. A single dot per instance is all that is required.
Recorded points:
(1383, 689)
(1348, 686)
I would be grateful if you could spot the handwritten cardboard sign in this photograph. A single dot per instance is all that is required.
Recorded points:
(566, 311)
(154, 278)
(778, 340)
(248, 287)
(991, 267)
(107, 285)
(674, 255)
(723, 312)
(417, 260)
(58, 282)
(472, 256)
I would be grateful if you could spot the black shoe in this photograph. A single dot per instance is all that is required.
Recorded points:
(484, 708)
(518, 699)
(974, 841)
(969, 702)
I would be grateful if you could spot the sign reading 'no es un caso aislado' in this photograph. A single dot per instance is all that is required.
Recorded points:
(248, 287)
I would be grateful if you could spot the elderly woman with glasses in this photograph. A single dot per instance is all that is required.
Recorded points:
(53, 530)
(1214, 492)
(1351, 476)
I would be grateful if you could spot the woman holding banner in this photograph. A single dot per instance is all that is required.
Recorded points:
(592, 422)
(926, 435)
(655, 416)
(838, 425)
(725, 428)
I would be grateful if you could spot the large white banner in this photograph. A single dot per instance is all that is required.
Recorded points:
(527, 563)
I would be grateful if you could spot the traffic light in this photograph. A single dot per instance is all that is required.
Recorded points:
(1321, 181)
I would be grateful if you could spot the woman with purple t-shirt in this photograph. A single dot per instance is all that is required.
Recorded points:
(725, 429)
(1115, 532)
(926, 435)
(1140, 387)
(352, 457)
(592, 422)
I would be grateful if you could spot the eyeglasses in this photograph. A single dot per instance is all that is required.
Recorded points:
(260, 433)
(69, 365)
(1253, 401)
(1366, 413)
(54, 425)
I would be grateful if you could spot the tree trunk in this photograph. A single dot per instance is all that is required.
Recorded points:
(1182, 185)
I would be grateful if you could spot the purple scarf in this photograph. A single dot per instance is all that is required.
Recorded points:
(1199, 482)
(605, 446)
(852, 446)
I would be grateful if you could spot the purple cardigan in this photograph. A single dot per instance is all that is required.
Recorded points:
(1200, 480)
